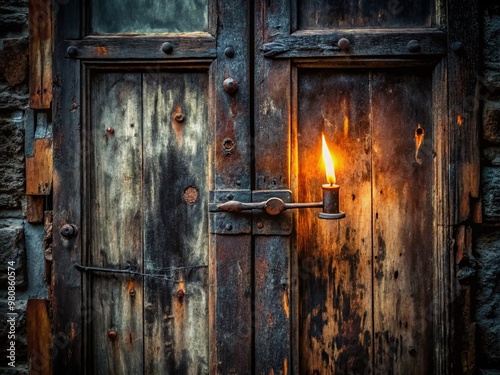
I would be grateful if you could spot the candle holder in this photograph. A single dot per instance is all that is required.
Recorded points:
(331, 203)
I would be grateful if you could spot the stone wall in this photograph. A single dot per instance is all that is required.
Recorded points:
(488, 237)
(14, 231)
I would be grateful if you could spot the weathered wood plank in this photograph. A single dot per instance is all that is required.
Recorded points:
(372, 43)
(324, 14)
(232, 155)
(402, 222)
(40, 50)
(115, 227)
(176, 222)
(120, 16)
(39, 168)
(187, 46)
(34, 208)
(334, 257)
(272, 257)
(39, 336)
(66, 298)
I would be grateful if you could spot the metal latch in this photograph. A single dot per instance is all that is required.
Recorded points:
(254, 216)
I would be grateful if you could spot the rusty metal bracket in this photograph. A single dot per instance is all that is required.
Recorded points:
(228, 222)
(230, 215)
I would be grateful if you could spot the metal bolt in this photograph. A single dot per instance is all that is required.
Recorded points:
(167, 48)
(72, 51)
(230, 197)
(260, 225)
(229, 227)
(69, 230)
(131, 292)
(344, 43)
(413, 46)
(230, 85)
(457, 47)
(229, 52)
(112, 335)
(412, 350)
(179, 117)
(180, 294)
(110, 131)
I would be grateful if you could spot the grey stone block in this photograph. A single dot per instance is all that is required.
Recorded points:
(491, 193)
(491, 121)
(13, 250)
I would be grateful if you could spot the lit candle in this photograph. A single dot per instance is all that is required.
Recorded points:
(331, 189)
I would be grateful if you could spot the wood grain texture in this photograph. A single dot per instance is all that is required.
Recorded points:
(323, 14)
(40, 51)
(231, 335)
(157, 16)
(185, 46)
(402, 222)
(39, 331)
(334, 257)
(39, 168)
(373, 43)
(116, 224)
(34, 208)
(66, 298)
(176, 226)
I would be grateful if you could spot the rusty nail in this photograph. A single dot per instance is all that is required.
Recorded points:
(112, 335)
(131, 292)
(230, 85)
(167, 48)
(412, 350)
(229, 52)
(180, 294)
(344, 43)
(68, 230)
(229, 227)
(72, 51)
(179, 117)
(260, 225)
(413, 46)
(110, 131)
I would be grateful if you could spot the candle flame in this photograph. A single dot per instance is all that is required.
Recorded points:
(327, 158)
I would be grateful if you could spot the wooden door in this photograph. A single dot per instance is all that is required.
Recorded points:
(164, 111)
(369, 293)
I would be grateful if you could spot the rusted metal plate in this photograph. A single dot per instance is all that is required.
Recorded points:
(230, 223)
(265, 224)
(116, 223)
(334, 265)
(402, 221)
(175, 204)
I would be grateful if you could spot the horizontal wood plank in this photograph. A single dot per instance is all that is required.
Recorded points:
(367, 42)
(184, 46)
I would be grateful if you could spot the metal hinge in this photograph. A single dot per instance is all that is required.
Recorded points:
(253, 221)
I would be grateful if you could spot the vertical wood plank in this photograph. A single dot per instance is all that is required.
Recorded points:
(39, 337)
(34, 208)
(402, 223)
(116, 223)
(39, 168)
(40, 50)
(176, 222)
(272, 273)
(67, 188)
(232, 334)
(334, 257)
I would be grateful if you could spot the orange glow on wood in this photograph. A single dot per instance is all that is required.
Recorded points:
(327, 158)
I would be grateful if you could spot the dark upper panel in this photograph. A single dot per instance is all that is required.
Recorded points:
(148, 16)
(328, 14)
